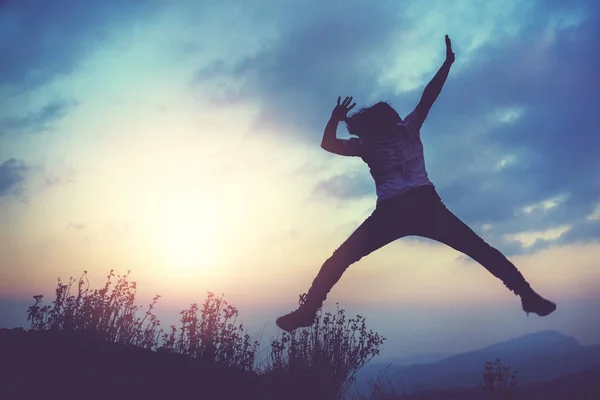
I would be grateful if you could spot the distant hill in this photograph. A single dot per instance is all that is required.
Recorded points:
(536, 357)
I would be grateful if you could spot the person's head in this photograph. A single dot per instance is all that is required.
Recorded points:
(378, 119)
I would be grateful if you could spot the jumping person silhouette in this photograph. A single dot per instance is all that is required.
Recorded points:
(407, 201)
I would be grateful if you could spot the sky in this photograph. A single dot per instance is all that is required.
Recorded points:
(181, 141)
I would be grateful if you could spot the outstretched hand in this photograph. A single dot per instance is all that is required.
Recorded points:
(341, 110)
(449, 53)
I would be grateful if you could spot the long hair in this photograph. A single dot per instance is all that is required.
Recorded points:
(375, 120)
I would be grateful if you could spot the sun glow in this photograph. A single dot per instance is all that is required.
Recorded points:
(190, 233)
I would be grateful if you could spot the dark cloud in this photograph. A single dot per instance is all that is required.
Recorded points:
(551, 79)
(556, 136)
(13, 173)
(37, 121)
(41, 39)
(582, 230)
(320, 55)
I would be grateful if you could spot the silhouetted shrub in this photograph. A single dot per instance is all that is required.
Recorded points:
(498, 381)
(212, 335)
(110, 314)
(334, 347)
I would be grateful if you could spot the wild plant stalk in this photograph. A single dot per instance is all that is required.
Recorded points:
(110, 314)
(212, 335)
(498, 381)
(333, 345)
(99, 314)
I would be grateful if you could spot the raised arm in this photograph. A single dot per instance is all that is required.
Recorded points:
(434, 87)
(330, 141)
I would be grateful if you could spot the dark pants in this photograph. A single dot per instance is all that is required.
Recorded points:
(418, 212)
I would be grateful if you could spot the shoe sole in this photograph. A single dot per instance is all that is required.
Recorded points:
(290, 330)
(541, 314)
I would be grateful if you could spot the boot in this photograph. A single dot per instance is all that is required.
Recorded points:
(303, 317)
(534, 303)
(530, 300)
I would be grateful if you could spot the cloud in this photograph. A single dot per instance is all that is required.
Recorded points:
(530, 238)
(316, 56)
(363, 50)
(40, 39)
(345, 186)
(554, 136)
(544, 205)
(76, 226)
(57, 180)
(13, 173)
(595, 215)
(37, 121)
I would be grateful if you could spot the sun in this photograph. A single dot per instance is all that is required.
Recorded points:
(189, 227)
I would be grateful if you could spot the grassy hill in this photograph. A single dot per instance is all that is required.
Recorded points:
(41, 365)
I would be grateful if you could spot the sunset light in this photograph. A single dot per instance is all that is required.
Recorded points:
(189, 226)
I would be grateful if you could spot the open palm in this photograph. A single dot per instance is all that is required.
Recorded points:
(449, 53)
(341, 110)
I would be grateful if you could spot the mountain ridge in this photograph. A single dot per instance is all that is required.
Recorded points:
(536, 357)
